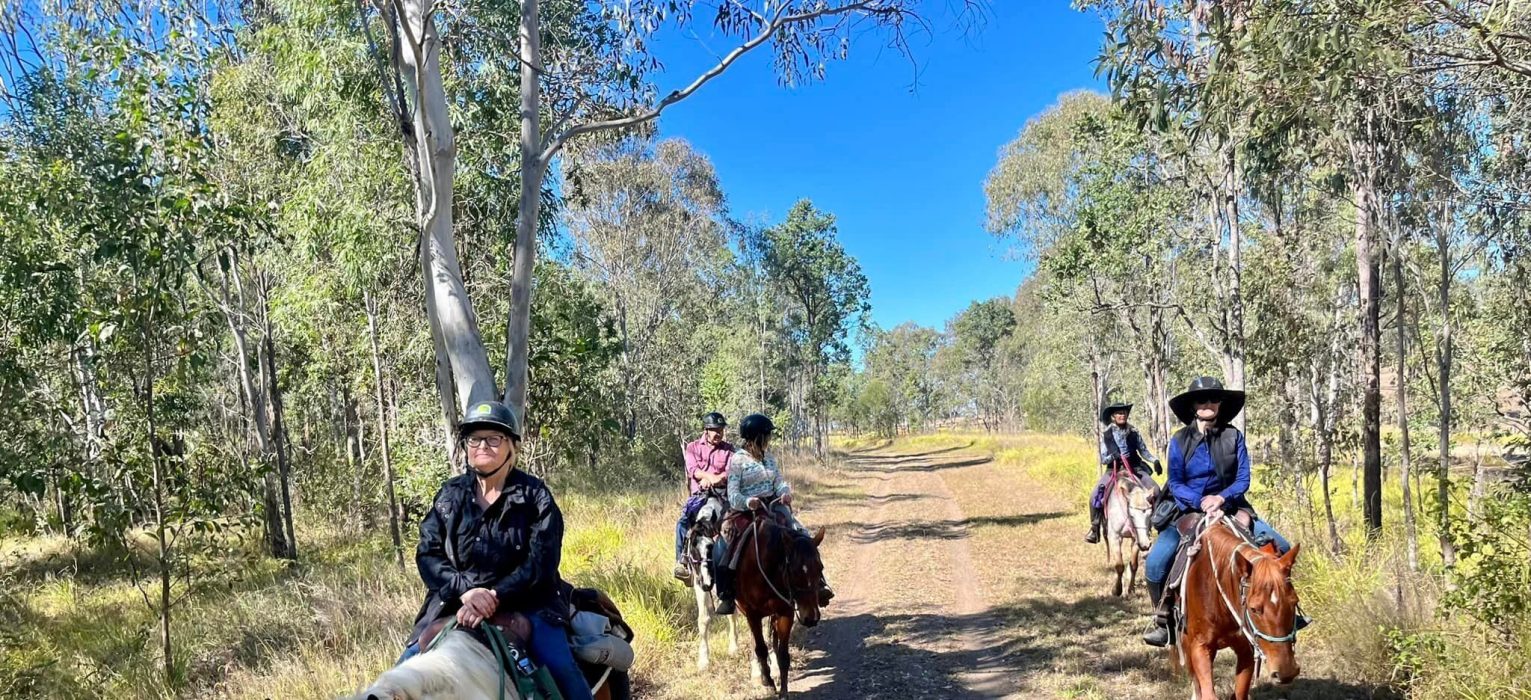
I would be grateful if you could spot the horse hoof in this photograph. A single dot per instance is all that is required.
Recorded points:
(767, 683)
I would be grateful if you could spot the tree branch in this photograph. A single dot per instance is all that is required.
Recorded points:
(770, 28)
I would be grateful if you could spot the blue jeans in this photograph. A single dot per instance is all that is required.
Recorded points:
(680, 532)
(412, 650)
(550, 649)
(1162, 555)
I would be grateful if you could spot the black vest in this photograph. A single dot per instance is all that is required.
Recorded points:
(1222, 442)
(1134, 447)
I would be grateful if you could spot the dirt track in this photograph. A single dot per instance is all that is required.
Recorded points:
(962, 578)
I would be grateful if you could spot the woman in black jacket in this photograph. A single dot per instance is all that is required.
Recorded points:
(492, 541)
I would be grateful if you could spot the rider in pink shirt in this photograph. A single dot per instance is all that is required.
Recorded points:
(706, 466)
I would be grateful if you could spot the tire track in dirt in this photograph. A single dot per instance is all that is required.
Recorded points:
(911, 616)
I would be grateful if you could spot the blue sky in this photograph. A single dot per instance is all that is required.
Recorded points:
(900, 164)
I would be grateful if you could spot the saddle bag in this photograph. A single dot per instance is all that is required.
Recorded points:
(594, 640)
(1166, 512)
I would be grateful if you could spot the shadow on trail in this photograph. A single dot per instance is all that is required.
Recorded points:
(990, 654)
(917, 465)
(1324, 689)
(864, 454)
(945, 529)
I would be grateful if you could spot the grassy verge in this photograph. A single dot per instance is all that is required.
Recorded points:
(73, 624)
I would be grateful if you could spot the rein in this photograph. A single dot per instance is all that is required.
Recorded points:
(504, 655)
(767, 576)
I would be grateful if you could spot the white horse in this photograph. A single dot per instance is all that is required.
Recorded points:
(457, 668)
(1129, 505)
(699, 545)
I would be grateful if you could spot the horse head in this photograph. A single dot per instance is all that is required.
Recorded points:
(805, 571)
(1271, 609)
(704, 537)
(1140, 508)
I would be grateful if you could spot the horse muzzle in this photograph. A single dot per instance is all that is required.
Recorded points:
(1285, 676)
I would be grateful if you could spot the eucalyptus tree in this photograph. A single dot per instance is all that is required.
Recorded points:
(825, 299)
(648, 224)
(584, 70)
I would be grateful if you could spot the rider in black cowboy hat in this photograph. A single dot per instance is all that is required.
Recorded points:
(1209, 472)
(1119, 440)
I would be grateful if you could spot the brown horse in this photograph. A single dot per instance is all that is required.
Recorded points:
(1238, 596)
(778, 578)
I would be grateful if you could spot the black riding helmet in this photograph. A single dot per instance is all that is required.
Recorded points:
(492, 415)
(755, 426)
(714, 421)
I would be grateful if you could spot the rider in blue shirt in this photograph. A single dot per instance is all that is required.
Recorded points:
(1208, 473)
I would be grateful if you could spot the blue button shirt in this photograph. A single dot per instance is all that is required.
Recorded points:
(1191, 480)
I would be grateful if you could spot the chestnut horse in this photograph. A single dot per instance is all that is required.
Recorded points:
(778, 577)
(1237, 596)
(1128, 508)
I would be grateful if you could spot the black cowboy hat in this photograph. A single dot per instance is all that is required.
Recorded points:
(1184, 405)
(1105, 413)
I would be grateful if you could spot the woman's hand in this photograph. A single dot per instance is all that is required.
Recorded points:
(1212, 504)
(753, 503)
(786, 498)
(478, 605)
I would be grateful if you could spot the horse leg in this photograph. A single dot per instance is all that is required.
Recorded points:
(1244, 676)
(759, 666)
(703, 621)
(1114, 555)
(1137, 557)
(1199, 656)
(782, 632)
(733, 635)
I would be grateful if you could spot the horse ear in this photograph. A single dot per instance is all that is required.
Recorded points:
(1247, 558)
(1290, 558)
(818, 537)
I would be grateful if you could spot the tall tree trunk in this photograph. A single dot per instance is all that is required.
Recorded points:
(1443, 357)
(163, 555)
(1325, 464)
(455, 333)
(255, 401)
(518, 331)
(1234, 342)
(382, 428)
(1364, 191)
(1097, 391)
(1404, 460)
(349, 444)
(278, 433)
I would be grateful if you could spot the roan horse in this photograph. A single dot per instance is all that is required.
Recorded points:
(1129, 505)
(1238, 596)
(778, 576)
(704, 536)
(460, 667)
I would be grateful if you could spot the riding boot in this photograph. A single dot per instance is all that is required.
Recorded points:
(723, 588)
(1096, 515)
(826, 593)
(1160, 635)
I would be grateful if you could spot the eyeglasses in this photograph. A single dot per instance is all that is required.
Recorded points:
(1209, 402)
(493, 441)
